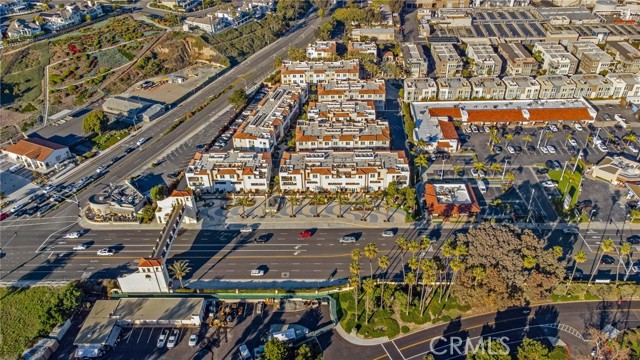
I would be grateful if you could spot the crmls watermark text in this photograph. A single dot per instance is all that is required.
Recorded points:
(461, 346)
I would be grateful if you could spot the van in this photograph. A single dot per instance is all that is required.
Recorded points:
(482, 187)
(15, 168)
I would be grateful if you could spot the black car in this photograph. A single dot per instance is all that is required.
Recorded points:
(261, 239)
(557, 164)
(577, 275)
(634, 239)
(518, 149)
(128, 150)
(461, 173)
(607, 260)
(32, 210)
(531, 148)
(566, 127)
(591, 127)
(550, 164)
(542, 171)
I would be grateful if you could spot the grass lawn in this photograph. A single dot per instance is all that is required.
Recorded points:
(118, 132)
(569, 183)
(30, 313)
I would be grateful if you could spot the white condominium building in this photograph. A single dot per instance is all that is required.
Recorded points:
(321, 50)
(229, 171)
(268, 123)
(309, 72)
(343, 170)
(348, 125)
(556, 60)
(361, 90)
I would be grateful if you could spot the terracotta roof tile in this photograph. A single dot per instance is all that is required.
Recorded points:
(571, 114)
(450, 112)
(448, 130)
(506, 115)
(149, 262)
(181, 193)
(36, 149)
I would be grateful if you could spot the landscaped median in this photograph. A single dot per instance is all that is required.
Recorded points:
(569, 183)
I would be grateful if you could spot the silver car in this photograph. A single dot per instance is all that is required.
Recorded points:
(347, 239)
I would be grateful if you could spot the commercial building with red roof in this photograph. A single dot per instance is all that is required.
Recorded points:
(37, 154)
(448, 200)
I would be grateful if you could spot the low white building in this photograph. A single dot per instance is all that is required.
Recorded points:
(359, 90)
(209, 23)
(520, 88)
(68, 16)
(151, 277)
(178, 197)
(625, 85)
(556, 60)
(37, 154)
(435, 127)
(485, 60)
(321, 50)
(420, 89)
(229, 171)
(363, 47)
(271, 119)
(313, 72)
(343, 170)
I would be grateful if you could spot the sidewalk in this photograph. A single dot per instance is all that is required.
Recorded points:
(354, 339)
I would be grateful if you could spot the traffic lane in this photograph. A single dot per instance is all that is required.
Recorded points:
(158, 143)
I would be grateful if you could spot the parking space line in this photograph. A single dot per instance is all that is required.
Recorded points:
(129, 336)
(141, 332)
(150, 333)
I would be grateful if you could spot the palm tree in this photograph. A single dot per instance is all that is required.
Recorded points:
(179, 269)
(428, 277)
(578, 258)
(495, 168)
(383, 264)
(364, 202)
(606, 246)
(548, 137)
(629, 138)
(456, 170)
(455, 265)
(294, 201)
(340, 197)
(479, 165)
(567, 138)
(413, 246)
(508, 138)
(421, 144)
(410, 280)
(354, 282)
(401, 242)
(527, 139)
(413, 264)
(511, 177)
(356, 254)
(388, 204)
(244, 201)
(634, 214)
(478, 274)
(422, 161)
(368, 285)
(371, 251)
(625, 250)
(590, 140)
(493, 137)
(317, 199)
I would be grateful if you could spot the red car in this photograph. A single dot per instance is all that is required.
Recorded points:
(6, 215)
(305, 234)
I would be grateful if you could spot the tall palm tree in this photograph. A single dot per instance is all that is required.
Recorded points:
(340, 198)
(244, 201)
(629, 138)
(590, 140)
(317, 199)
(410, 280)
(527, 139)
(179, 269)
(508, 138)
(495, 168)
(567, 138)
(422, 144)
(354, 282)
(606, 246)
(578, 258)
(478, 274)
(356, 254)
(413, 246)
(479, 166)
(368, 285)
(428, 278)
(548, 137)
(388, 204)
(401, 242)
(413, 264)
(383, 264)
(456, 170)
(455, 265)
(421, 161)
(364, 203)
(371, 251)
(294, 201)
(625, 250)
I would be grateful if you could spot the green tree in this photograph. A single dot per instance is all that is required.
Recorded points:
(244, 201)
(383, 264)
(304, 353)
(277, 63)
(179, 269)
(294, 201)
(317, 199)
(625, 250)
(531, 349)
(368, 285)
(527, 139)
(158, 193)
(147, 214)
(410, 280)
(422, 161)
(371, 251)
(95, 122)
(297, 54)
(401, 243)
(578, 258)
(606, 246)
(238, 99)
(275, 349)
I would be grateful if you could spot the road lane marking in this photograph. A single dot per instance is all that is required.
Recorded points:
(385, 350)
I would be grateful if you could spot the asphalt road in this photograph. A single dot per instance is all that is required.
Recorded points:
(512, 324)
(250, 72)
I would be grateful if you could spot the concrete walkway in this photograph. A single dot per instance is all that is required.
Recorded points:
(354, 339)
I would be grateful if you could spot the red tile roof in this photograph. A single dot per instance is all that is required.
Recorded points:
(504, 115)
(448, 130)
(36, 149)
(448, 210)
(450, 112)
(181, 193)
(149, 262)
(570, 114)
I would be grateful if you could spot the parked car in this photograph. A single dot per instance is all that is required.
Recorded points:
(474, 172)
(474, 128)
(549, 184)
(531, 148)
(173, 339)
(261, 239)
(570, 230)
(542, 171)
(486, 129)
(551, 148)
(633, 148)
(73, 235)
(602, 147)
(607, 260)
(497, 149)
(305, 234)
(634, 239)
(106, 252)
(578, 127)
(141, 141)
(511, 150)
(128, 150)
(636, 267)
(246, 230)
(573, 142)
(101, 168)
(162, 339)
(388, 233)
(544, 149)
(518, 149)
(193, 340)
(566, 127)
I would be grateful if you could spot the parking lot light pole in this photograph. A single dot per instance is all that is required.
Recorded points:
(442, 173)
(540, 138)
(504, 170)
(564, 169)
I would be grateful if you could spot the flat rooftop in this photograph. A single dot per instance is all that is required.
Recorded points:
(158, 309)
(225, 160)
(360, 86)
(329, 110)
(304, 66)
(98, 325)
(381, 159)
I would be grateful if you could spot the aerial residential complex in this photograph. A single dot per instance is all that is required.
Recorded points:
(229, 171)
(299, 72)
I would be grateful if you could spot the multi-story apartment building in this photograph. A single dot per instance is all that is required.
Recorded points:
(556, 87)
(627, 56)
(556, 60)
(321, 50)
(489, 87)
(521, 88)
(414, 60)
(360, 90)
(447, 60)
(593, 60)
(229, 171)
(437, 4)
(625, 85)
(519, 60)
(454, 88)
(343, 170)
(420, 89)
(307, 72)
(347, 125)
(363, 47)
(377, 34)
(485, 60)
(268, 123)
(592, 86)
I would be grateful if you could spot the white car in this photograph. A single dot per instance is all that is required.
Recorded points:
(573, 142)
(486, 129)
(636, 266)
(73, 235)
(570, 230)
(544, 149)
(549, 184)
(633, 148)
(553, 128)
(602, 147)
(387, 233)
(80, 247)
(101, 168)
(578, 127)
(551, 148)
(246, 230)
(173, 339)
(511, 150)
(257, 272)
(47, 188)
(141, 141)
(162, 339)
(193, 340)
(347, 239)
(474, 172)
(106, 252)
